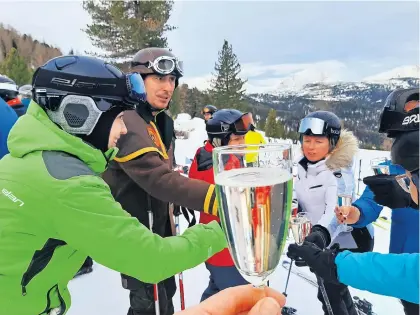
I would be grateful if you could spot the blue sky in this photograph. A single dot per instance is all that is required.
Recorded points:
(278, 43)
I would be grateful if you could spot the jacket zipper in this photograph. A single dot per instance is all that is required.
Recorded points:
(30, 273)
(27, 278)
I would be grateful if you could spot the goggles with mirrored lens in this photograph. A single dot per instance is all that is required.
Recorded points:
(239, 127)
(163, 65)
(316, 127)
(243, 125)
(411, 105)
(136, 88)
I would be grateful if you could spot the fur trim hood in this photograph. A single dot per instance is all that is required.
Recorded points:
(344, 152)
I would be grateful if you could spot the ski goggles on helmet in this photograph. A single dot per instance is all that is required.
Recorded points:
(317, 127)
(163, 65)
(243, 125)
(207, 111)
(239, 127)
(411, 105)
(135, 87)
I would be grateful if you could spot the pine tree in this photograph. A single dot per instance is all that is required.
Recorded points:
(227, 87)
(15, 67)
(176, 102)
(261, 124)
(271, 126)
(194, 102)
(71, 52)
(280, 131)
(121, 28)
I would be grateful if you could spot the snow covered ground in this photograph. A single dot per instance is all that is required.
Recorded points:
(101, 293)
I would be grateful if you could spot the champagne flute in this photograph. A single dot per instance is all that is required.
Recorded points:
(301, 227)
(254, 205)
(345, 200)
(378, 167)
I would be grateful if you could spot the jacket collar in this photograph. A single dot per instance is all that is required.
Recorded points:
(145, 112)
(313, 168)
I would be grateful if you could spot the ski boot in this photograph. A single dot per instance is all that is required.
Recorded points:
(286, 310)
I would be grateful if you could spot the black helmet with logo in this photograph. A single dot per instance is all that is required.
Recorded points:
(321, 123)
(225, 122)
(400, 112)
(76, 92)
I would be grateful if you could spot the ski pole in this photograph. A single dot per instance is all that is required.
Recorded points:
(324, 295)
(288, 276)
(359, 179)
(155, 286)
(180, 276)
(295, 208)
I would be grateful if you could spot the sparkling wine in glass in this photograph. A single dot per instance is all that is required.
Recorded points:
(378, 167)
(301, 226)
(345, 200)
(254, 205)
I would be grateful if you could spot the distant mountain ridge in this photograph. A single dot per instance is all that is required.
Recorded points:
(358, 104)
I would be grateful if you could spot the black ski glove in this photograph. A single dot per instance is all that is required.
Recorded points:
(318, 236)
(387, 192)
(322, 263)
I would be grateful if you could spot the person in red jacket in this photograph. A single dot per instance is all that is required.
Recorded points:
(225, 127)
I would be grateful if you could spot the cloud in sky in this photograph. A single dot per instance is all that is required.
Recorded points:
(288, 44)
(267, 78)
(278, 43)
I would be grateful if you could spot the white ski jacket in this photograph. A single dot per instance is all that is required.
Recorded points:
(316, 188)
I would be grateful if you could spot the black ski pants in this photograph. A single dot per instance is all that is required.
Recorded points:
(142, 296)
(410, 308)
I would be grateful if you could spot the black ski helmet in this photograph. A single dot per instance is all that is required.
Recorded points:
(211, 109)
(400, 112)
(321, 123)
(225, 122)
(80, 92)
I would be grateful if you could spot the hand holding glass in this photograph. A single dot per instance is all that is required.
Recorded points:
(377, 166)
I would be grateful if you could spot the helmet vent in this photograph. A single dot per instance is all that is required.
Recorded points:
(75, 114)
